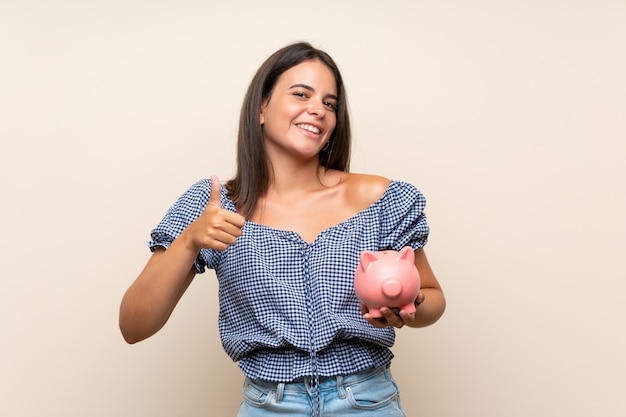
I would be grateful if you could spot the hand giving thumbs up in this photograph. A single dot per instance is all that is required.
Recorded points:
(216, 228)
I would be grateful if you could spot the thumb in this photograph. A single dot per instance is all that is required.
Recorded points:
(216, 191)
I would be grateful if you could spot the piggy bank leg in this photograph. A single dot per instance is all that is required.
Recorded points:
(409, 308)
(375, 312)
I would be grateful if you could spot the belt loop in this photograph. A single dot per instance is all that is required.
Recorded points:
(340, 388)
(280, 389)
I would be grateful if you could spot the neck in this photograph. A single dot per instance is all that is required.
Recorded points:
(296, 178)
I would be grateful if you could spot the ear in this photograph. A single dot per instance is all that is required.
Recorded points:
(262, 115)
(366, 259)
(407, 254)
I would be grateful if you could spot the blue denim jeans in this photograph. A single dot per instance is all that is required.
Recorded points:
(372, 392)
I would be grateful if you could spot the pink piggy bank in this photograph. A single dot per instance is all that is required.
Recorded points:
(387, 278)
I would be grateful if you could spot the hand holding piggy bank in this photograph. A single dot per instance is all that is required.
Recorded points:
(387, 278)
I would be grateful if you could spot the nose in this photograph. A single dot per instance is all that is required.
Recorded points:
(316, 108)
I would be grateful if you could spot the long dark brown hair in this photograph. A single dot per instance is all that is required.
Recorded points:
(251, 181)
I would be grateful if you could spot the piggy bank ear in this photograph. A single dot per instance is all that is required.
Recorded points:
(367, 258)
(407, 254)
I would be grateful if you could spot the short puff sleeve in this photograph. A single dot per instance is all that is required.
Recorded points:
(403, 222)
(181, 214)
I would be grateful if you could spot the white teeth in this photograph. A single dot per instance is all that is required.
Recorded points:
(309, 128)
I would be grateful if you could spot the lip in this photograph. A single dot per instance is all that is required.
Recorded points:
(315, 125)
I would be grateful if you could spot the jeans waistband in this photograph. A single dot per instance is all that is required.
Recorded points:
(304, 383)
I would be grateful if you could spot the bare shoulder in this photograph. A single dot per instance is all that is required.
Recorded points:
(365, 189)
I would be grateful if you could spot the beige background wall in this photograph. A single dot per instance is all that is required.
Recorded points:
(509, 115)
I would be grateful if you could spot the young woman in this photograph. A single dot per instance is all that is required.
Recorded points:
(284, 237)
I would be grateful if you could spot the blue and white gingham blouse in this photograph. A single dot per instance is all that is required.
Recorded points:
(287, 307)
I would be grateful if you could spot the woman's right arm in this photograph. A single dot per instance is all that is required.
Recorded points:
(150, 300)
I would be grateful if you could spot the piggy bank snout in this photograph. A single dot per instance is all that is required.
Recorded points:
(392, 288)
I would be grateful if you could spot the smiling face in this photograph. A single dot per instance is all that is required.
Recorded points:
(299, 117)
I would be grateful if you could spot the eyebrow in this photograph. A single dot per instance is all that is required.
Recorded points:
(308, 87)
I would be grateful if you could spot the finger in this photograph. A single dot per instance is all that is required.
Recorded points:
(225, 238)
(391, 317)
(366, 315)
(233, 225)
(406, 317)
(363, 308)
(235, 219)
(380, 323)
(421, 297)
(216, 191)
